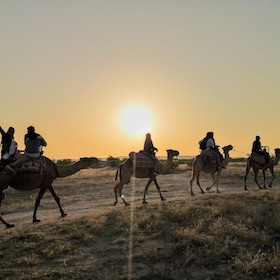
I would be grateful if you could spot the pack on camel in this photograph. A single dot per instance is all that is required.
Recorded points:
(142, 169)
(207, 163)
(39, 173)
(257, 162)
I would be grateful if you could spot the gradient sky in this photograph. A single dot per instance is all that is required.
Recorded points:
(70, 68)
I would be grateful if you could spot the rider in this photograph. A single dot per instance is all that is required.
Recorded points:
(10, 156)
(149, 150)
(208, 143)
(33, 143)
(257, 148)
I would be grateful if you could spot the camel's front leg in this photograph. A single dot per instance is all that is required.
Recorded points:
(245, 177)
(256, 178)
(56, 198)
(146, 189)
(37, 203)
(158, 188)
(264, 178)
(273, 177)
(214, 182)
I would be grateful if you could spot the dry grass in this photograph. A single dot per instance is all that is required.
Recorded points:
(231, 235)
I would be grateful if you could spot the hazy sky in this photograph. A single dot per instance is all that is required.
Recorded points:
(71, 68)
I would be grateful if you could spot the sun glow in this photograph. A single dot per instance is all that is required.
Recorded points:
(136, 120)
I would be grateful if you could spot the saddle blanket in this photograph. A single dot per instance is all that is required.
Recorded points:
(33, 165)
(141, 160)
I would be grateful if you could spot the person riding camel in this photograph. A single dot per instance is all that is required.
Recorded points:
(149, 150)
(208, 143)
(33, 143)
(257, 148)
(10, 156)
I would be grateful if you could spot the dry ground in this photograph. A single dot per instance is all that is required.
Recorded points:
(87, 197)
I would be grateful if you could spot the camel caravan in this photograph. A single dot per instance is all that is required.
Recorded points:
(30, 170)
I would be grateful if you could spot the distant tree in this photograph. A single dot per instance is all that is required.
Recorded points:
(64, 161)
(112, 161)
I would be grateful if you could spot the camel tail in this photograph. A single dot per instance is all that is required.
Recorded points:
(117, 172)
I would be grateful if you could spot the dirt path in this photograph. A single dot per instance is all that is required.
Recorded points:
(91, 192)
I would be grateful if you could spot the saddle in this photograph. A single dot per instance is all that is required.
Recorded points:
(33, 165)
(141, 160)
(260, 159)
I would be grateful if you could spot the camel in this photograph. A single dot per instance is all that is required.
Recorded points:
(206, 162)
(41, 178)
(126, 170)
(258, 162)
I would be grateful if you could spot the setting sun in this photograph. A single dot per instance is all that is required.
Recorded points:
(136, 120)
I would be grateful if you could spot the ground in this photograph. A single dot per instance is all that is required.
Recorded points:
(87, 196)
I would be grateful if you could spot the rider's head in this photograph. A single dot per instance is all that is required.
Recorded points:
(30, 129)
(11, 131)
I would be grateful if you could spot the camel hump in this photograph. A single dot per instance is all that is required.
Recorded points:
(260, 159)
(141, 160)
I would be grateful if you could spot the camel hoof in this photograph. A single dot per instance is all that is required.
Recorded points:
(9, 225)
(207, 189)
(163, 199)
(145, 202)
(127, 204)
(36, 220)
(63, 215)
(192, 194)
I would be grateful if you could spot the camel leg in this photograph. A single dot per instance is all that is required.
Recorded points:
(191, 183)
(198, 183)
(217, 181)
(264, 178)
(57, 199)
(37, 203)
(118, 189)
(146, 189)
(273, 176)
(245, 177)
(214, 182)
(158, 188)
(1, 219)
(256, 171)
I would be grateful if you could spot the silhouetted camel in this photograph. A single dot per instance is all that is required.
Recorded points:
(41, 179)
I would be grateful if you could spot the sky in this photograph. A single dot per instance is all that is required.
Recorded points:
(74, 69)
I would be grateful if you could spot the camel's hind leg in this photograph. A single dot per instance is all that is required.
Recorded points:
(197, 182)
(256, 171)
(118, 189)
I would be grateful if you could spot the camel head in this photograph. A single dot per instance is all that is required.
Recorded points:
(228, 148)
(172, 153)
(277, 152)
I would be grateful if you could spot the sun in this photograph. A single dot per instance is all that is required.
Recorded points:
(136, 120)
